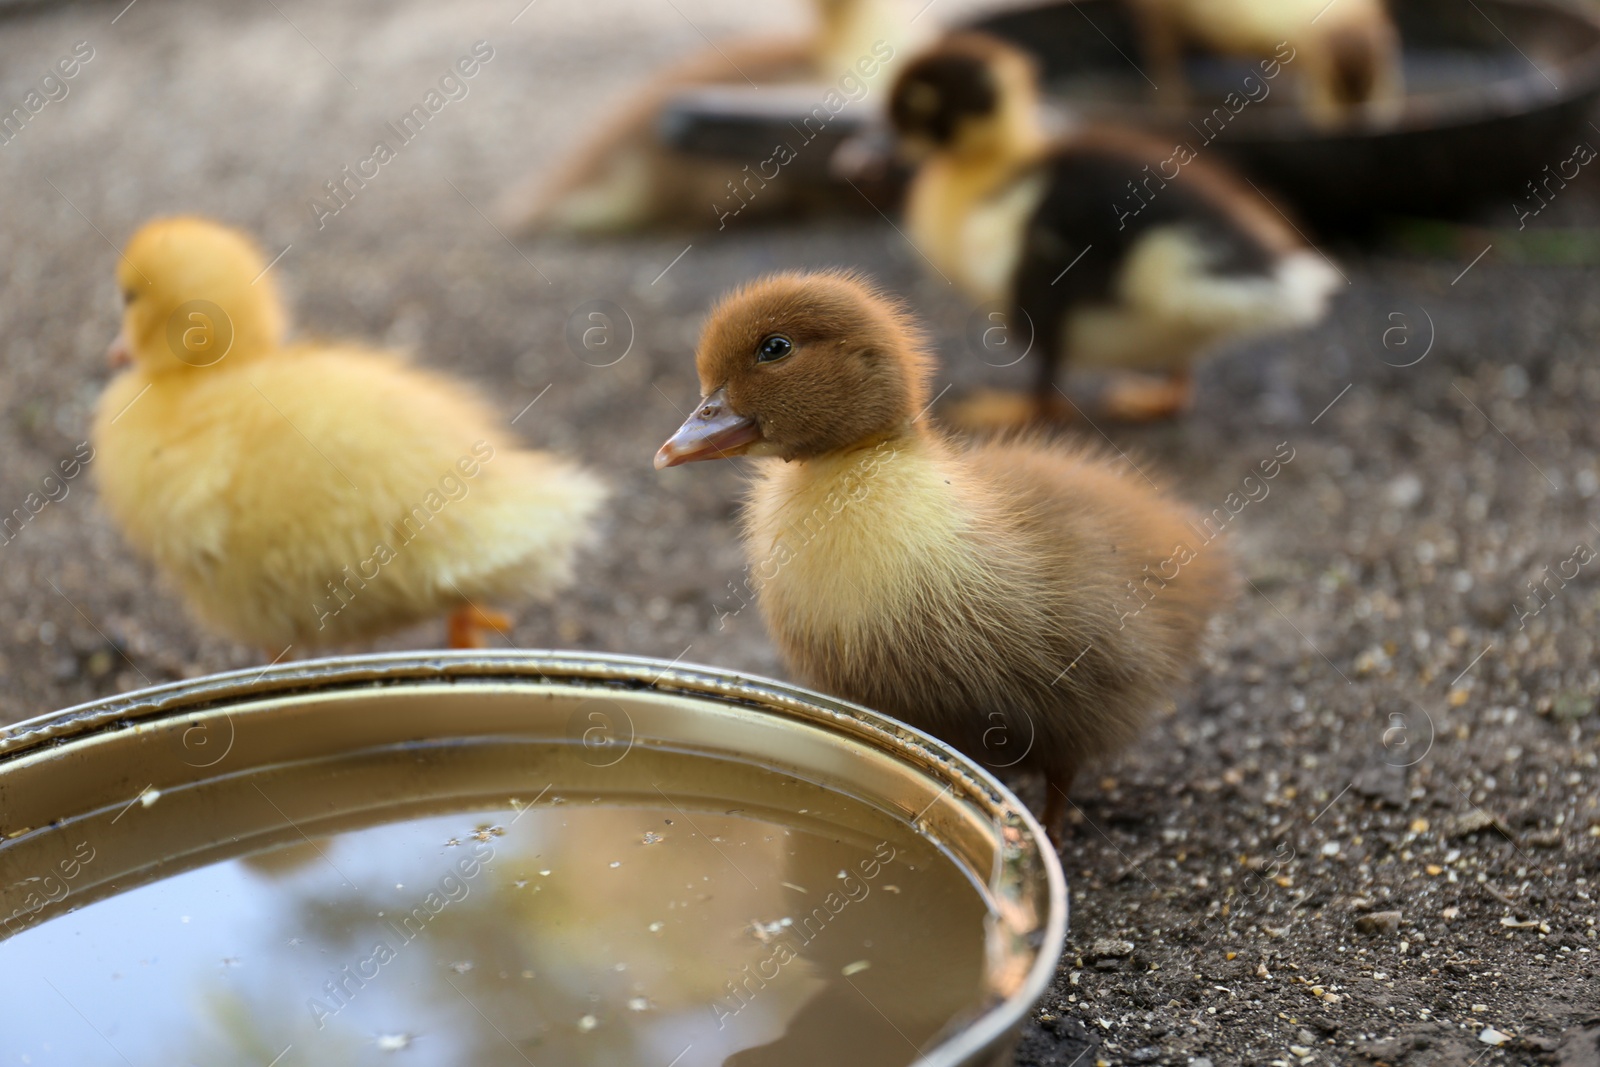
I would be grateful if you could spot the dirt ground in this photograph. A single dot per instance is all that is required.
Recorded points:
(1370, 833)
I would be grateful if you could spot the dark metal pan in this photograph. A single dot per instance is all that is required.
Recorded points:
(1496, 89)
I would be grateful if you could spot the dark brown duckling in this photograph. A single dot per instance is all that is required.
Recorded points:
(1116, 251)
(1028, 602)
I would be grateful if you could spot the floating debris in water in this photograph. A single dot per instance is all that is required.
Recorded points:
(854, 968)
(544, 874)
(657, 926)
(765, 932)
(461, 966)
(452, 843)
(394, 1042)
(150, 795)
(652, 838)
(486, 832)
(639, 1004)
(587, 1023)
(615, 864)
(796, 888)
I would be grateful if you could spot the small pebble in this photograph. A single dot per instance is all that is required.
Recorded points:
(1109, 948)
(1379, 922)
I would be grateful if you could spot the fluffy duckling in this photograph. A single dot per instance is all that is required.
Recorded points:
(1030, 603)
(1346, 55)
(625, 179)
(312, 494)
(1119, 252)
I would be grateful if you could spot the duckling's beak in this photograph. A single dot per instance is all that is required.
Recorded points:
(714, 431)
(119, 355)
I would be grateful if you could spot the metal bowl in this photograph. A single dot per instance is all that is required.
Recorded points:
(1496, 89)
(168, 780)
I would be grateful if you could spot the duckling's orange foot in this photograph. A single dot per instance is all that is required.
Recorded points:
(1142, 399)
(466, 626)
(993, 411)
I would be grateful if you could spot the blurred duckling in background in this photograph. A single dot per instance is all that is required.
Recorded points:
(625, 179)
(1117, 251)
(312, 494)
(1030, 603)
(1344, 54)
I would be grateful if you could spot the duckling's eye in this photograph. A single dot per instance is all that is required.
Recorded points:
(128, 297)
(773, 348)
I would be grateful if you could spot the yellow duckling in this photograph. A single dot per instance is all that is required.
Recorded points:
(312, 494)
(1030, 603)
(625, 178)
(1345, 54)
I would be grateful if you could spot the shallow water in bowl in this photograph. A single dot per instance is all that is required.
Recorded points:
(580, 929)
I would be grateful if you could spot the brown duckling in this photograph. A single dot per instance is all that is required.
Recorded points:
(1346, 55)
(1117, 251)
(1028, 602)
(625, 178)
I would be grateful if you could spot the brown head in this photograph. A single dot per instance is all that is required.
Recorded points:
(801, 365)
(969, 94)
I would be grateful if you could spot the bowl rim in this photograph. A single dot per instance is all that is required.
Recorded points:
(53, 731)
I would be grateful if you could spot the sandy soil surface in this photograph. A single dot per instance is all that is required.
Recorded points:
(1369, 833)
